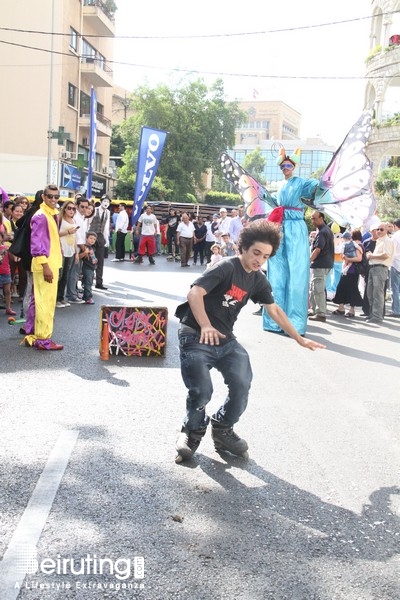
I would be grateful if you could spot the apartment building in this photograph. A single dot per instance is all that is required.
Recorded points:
(51, 57)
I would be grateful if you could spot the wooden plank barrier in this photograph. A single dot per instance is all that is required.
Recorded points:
(133, 331)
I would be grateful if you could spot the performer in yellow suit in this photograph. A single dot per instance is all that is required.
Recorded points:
(46, 263)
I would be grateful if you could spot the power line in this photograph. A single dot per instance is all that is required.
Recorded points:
(202, 72)
(204, 36)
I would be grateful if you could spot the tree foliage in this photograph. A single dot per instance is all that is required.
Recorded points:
(388, 180)
(200, 125)
(254, 163)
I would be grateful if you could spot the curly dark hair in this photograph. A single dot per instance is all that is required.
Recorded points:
(262, 231)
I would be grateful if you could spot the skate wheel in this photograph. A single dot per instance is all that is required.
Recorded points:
(11, 320)
(178, 459)
(245, 455)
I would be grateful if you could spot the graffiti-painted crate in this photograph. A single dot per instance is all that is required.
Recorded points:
(133, 331)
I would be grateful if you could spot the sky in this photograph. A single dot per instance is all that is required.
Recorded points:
(271, 50)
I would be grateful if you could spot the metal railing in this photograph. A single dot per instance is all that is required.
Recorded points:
(100, 62)
(100, 5)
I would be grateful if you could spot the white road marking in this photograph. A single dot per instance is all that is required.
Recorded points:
(15, 566)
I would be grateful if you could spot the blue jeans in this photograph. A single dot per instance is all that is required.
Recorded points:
(395, 281)
(87, 282)
(232, 361)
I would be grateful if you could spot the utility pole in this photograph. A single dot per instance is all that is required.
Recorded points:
(50, 127)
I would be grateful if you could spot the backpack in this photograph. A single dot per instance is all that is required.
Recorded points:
(363, 266)
(21, 244)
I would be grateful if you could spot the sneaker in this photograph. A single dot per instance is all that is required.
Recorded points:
(60, 304)
(90, 301)
(187, 443)
(152, 261)
(11, 312)
(65, 303)
(225, 439)
(76, 301)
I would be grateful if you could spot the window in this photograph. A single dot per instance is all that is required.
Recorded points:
(88, 52)
(73, 39)
(72, 95)
(84, 108)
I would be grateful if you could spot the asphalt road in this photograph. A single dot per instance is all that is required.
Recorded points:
(88, 472)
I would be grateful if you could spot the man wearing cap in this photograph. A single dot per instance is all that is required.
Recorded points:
(236, 224)
(379, 262)
(223, 223)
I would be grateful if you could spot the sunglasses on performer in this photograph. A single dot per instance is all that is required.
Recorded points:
(286, 166)
(55, 196)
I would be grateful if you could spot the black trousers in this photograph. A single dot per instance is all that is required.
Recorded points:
(120, 245)
(100, 255)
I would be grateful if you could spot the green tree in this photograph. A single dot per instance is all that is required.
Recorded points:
(117, 145)
(388, 180)
(254, 163)
(200, 125)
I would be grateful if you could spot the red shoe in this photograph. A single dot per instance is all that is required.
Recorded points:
(48, 345)
(11, 312)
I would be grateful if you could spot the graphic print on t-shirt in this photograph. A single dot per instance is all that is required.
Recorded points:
(233, 295)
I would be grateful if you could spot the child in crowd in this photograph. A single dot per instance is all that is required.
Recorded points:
(228, 248)
(89, 262)
(216, 255)
(5, 275)
(349, 251)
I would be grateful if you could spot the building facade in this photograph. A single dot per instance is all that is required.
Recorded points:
(270, 126)
(382, 92)
(47, 79)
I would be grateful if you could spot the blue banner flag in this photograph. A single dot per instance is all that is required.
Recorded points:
(92, 142)
(150, 149)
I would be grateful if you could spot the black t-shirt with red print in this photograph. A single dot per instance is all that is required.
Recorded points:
(228, 287)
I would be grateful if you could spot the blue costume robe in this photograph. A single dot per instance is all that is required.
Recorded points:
(289, 270)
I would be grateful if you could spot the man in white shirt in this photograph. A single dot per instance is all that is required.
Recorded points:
(147, 227)
(82, 205)
(184, 239)
(379, 262)
(223, 223)
(395, 270)
(121, 227)
(236, 224)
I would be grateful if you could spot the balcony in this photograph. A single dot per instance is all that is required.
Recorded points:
(96, 14)
(103, 124)
(96, 71)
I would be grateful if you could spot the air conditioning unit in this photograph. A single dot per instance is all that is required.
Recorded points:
(65, 155)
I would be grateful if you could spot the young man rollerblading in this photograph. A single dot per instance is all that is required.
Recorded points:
(206, 339)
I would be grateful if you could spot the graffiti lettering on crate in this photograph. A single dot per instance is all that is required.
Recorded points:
(136, 330)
